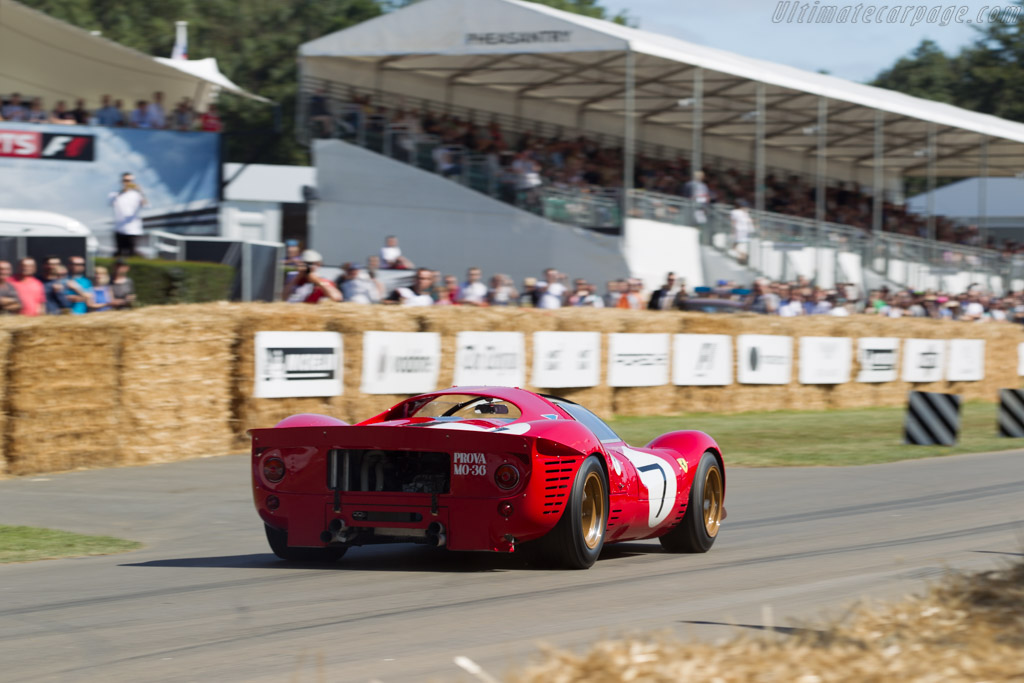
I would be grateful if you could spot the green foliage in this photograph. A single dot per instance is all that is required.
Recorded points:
(176, 282)
(853, 436)
(927, 72)
(25, 543)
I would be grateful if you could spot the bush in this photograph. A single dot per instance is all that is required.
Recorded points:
(176, 282)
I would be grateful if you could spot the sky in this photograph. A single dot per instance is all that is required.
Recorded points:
(856, 51)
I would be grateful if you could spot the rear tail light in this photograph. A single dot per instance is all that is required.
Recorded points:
(273, 469)
(506, 476)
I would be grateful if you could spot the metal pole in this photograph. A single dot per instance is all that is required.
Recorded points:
(931, 183)
(983, 194)
(879, 173)
(246, 271)
(697, 160)
(759, 151)
(630, 139)
(821, 168)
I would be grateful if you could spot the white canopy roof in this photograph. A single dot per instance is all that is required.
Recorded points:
(44, 57)
(523, 52)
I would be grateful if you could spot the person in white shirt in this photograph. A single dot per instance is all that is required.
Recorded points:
(416, 295)
(391, 254)
(742, 229)
(793, 307)
(474, 291)
(128, 204)
(551, 290)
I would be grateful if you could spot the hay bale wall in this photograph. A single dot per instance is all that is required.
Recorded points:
(165, 383)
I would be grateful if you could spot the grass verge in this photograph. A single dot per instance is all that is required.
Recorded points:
(839, 437)
(26, 543)
(966, 628)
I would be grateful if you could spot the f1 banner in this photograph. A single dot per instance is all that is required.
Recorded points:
(966, 360)
(30, 144)
(825, 360)
(924, 360)
(637, 360)
(400, 362)
(490, 358)
(566, 359)
(765, 359)
(879, 359)
(702, 360)
(296, 364)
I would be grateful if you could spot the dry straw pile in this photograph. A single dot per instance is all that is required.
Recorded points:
(176, 384)
(965, 629)
(63, 394)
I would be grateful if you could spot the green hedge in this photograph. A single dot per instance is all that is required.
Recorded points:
(176, 282)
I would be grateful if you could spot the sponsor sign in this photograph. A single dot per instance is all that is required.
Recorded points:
(494, 358)
(764, 358)
(296, 364)
(400, 362)
(27, 144)
(637, 360)
(923, 360)
(702, 360)
(879, 359)
(566, 359)
(517, 37)
(825, 360)
(966, 360)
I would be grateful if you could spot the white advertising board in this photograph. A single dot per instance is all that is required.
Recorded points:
(764, 358)
(702, 360)
(637, 360)
(966, 360)
(400, 362)
(923, 360)
(879, 359)
(297, 364)
(566, 359)
(492, 358)
(825, 360)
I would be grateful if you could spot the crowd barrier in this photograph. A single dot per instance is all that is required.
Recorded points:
(175, 382)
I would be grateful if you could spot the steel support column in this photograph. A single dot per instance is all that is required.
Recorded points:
(821, 167)
(629, 145)
(983, 194)
(932, 144)
(697, 155)
(879, 173)
(759, 149)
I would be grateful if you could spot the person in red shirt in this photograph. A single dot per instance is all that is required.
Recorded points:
(30, 290)
(210, 121)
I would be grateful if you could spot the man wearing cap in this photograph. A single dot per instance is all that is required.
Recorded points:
(308, 287)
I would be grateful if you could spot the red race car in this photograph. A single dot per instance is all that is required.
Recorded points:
(482, 468)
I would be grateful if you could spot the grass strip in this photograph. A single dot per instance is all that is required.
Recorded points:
(859, 436)
(26, 543)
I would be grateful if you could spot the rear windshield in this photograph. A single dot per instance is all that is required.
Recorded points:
(462, 407)
(592, 422)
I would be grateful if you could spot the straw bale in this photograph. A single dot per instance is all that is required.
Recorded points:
(63, 394)
(265, 412)
(354, 406)
(5, 345)
(177, 384)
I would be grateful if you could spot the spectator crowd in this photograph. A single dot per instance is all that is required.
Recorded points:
(64, 288)
(365, 283)
(153, 114)
(523, 161)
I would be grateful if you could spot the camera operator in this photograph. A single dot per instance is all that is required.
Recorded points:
(307, 286)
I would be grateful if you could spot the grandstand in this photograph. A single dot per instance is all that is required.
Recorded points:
(655, 108)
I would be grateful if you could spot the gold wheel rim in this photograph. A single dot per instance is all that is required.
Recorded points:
(712, 501)
(592, 511)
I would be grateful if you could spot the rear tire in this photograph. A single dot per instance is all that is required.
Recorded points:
(577, 539)
(278, 540)
(699, 527)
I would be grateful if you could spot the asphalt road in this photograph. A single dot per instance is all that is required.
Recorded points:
(206, 601)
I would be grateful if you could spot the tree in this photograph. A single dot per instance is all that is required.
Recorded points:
(927, 72)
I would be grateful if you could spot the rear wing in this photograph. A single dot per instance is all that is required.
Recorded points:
(406, 438)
